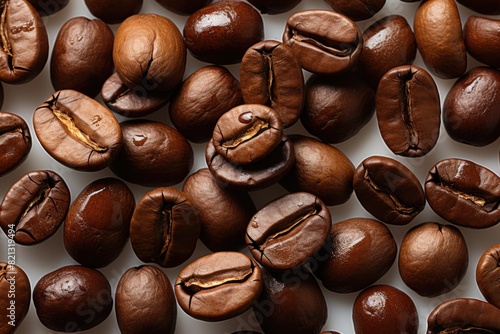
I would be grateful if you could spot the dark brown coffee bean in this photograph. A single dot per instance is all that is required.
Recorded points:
(271, 75)
(218, 286)
(272, 7)
(221, 32)
(224, 214)
(480, 39)
(438, 32)
(153, 155)
(361, 251)
(488, 275)
(383, 309)
(149, 51)
(388, 190)
(184, 7)
(291, 222)
(408, 111)
(337, 107)
(34, 207)
(464, 193)
(48, 7)
(113, 11)
(464, 315)
(247, 133)
(15, 141)
(131, 102)
(77, 131)
(15, 289)
(433, 259)
(97, 225)
(325, 42)
(486, 7)
(25, 42)
(246, 332)
(357, 10)
(72, 299)
(145, 302)
(471, 110)
(164, 228)
(82, 56)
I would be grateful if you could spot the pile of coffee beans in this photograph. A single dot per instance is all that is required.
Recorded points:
(249, 166)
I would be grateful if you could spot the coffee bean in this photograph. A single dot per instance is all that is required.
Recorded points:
(36, 205)
(273, 7)
(357, 10)
(145, 302)
(48, 7)
(164, 228)
(15, 289)
(325, 42)
(480, 41)
(113, 11)
(246, 332)
(482, 6)
(218, 286)
(184, 7)
(464, 193)
(488, 274)
(15, 141)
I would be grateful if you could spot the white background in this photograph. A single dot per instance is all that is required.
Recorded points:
(40, 259)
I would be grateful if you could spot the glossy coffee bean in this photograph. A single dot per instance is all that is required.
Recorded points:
(97, 225)
(223, 41)
(291, 222)
(488, 275)
(145, 302)
(34, 207)
(77, 131)
(464, 193)
(471, 110)
(48, 7)
(224, 214)
(480, 41)
(388, 190)
(319, 169)
(164, 228)
(408, 111)
(361, 251)
(82, 56)
(15, 289)
(72, 298)
(25, 42)
(433, 259)
(15, 141)
(325, 42)
(271, 75)
(154, 154)
(184, 7)
(113, 11)
(482, 6)
(383, 309)
(272, 7)
(357, 10)
(202, 99)
(218, 286)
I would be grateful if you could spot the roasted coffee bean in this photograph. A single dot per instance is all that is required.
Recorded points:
(357, 10)
(464, 193)
(145, 302)
(221, 32)
(294, 221)
(480, 39)
(360, 252)
(149, 52)
(383, 309)
(488, 275)
(272, 7)
(164, 228)
(319, 169)
(113, 11)
(97, 225)
(271, 75)
(184, 7)
(15, 289)
(77, 131)
(464, 315)
(433, 259)
(15, 141)
(218, 286)
(471, 110)
(247, 133)
(486, 7)
(337, 107)
(131, 102)
(223, 213)
(291, 303)
(153, 155)
(34, 207)
(72, 298)
(25, 44)
(329, 332)
(387, 43)
(48, 7)
(438, 32)
(408, 111)
(246, 332)
(388, 190)
(325, 42)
